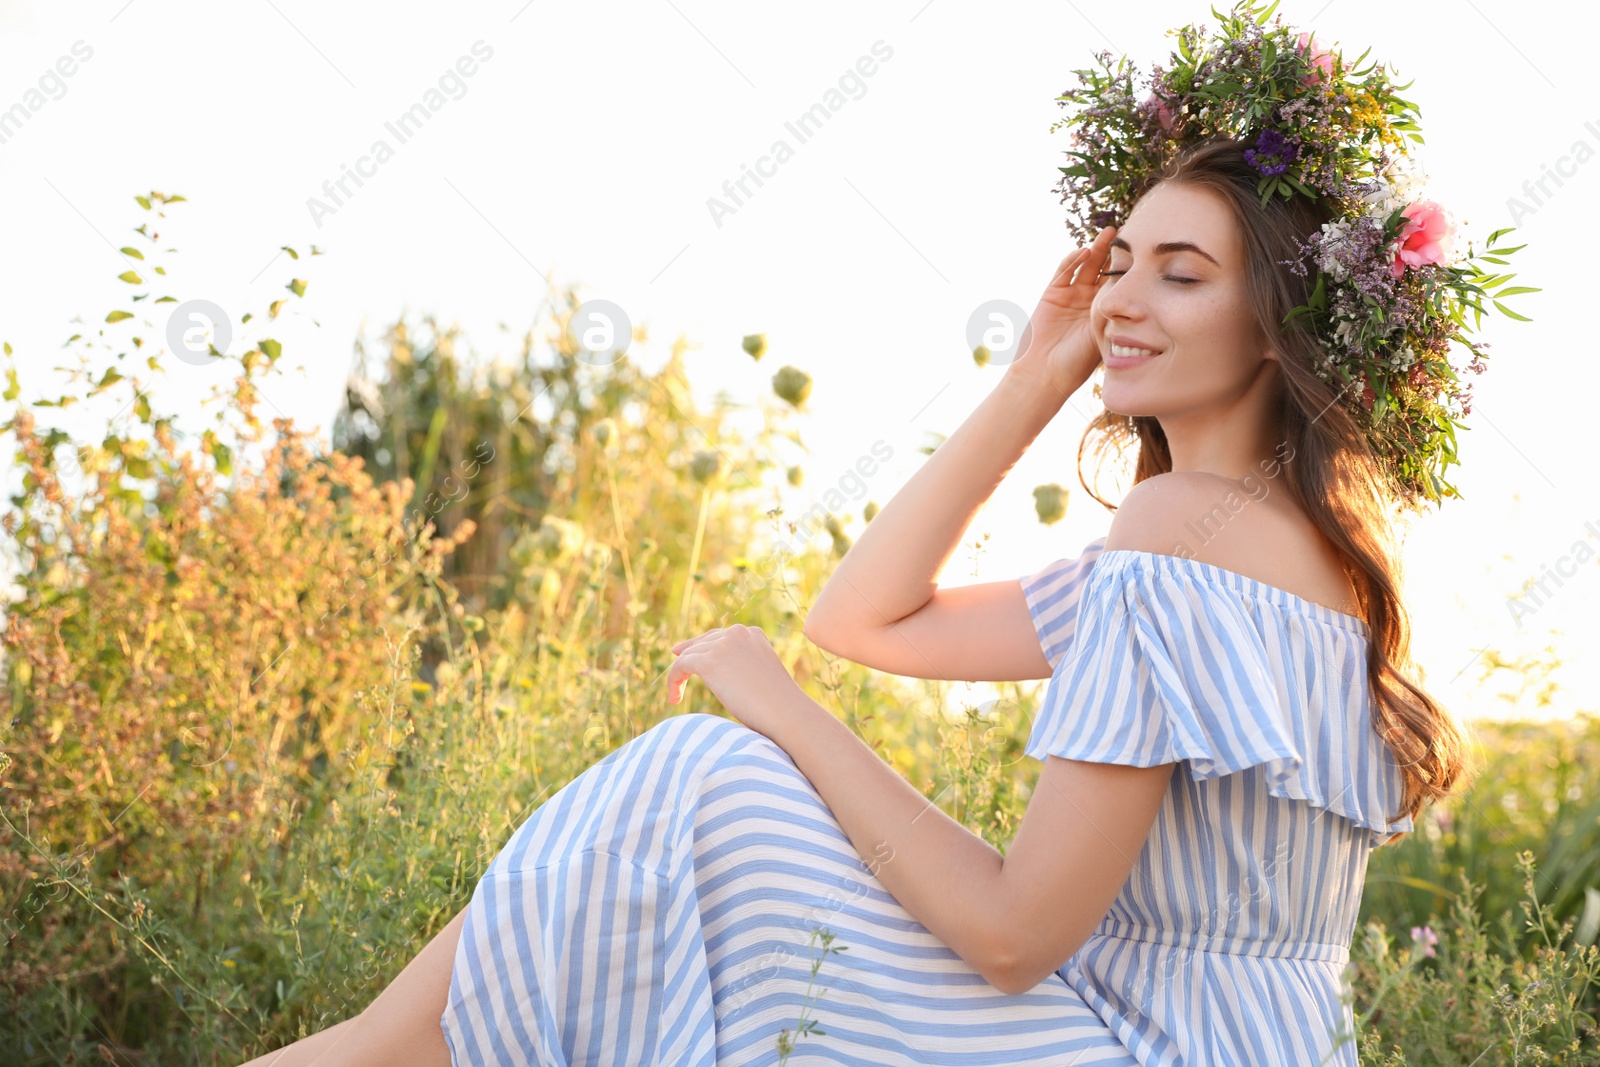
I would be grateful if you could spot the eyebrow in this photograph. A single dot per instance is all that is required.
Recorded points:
(1165, 247)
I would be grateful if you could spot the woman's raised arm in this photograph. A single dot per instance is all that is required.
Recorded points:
(881, 607)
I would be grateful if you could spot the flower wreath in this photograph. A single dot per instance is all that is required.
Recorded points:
(1390, 297)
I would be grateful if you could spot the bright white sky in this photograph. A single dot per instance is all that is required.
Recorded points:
(585, 150)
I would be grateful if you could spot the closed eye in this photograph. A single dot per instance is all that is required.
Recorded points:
(1168, 277)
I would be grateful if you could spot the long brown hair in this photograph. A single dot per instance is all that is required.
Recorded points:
(1332, 472)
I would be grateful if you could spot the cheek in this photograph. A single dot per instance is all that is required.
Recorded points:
(1221, 319)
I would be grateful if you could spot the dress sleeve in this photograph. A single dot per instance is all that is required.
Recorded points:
(1053, 594)
(1170, 664)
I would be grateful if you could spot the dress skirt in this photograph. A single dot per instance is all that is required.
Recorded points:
(664, 907)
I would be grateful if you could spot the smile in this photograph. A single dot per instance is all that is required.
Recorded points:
(1129, 352)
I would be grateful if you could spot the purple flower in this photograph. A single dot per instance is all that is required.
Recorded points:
(1425, 936)
(1273, 153)
(1101, 219)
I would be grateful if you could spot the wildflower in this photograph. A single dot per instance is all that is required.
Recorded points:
(1320, 58)
(1153, 104)
(705, 464)
(1366, 111)
(1426, 937)
(1427, 230)
(792, 384)
(1273, 153)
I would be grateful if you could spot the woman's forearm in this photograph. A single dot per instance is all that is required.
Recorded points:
(943, 874)
(889, 572)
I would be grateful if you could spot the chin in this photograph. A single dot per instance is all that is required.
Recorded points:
(1125, 401)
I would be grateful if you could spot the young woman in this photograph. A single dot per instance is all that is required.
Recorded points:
(1184, 886)
(1227, 732)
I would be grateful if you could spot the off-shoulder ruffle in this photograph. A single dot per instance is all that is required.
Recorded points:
(1174, 659)
(1053, 593)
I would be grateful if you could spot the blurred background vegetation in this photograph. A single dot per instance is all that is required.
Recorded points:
(271, 720)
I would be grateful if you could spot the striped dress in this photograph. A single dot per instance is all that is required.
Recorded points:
(660, 908)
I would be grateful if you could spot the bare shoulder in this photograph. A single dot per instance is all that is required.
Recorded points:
(1261, 534)
(1159, 514)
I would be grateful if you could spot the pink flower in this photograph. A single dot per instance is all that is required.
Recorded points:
(1426, 937)
(1321, 58)
(1159, 106)
(1424, 236)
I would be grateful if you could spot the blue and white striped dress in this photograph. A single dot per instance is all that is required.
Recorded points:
(659, 908)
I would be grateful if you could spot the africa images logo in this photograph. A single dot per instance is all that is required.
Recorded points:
(403, 128)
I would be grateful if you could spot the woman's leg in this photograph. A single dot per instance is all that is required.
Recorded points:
(400, 1027)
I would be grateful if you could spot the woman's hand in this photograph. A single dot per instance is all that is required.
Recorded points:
(1062, 349)
(741, 668)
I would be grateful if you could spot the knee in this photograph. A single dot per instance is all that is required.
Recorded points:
(697, 723)
(698, 729)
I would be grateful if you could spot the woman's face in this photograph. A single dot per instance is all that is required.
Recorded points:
(1177, 288)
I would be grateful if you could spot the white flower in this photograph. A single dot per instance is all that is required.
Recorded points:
(1377, 192)
(1404, 178)
(1334, 235)
(1396, 185)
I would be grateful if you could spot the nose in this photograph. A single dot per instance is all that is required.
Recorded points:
(1121, 297)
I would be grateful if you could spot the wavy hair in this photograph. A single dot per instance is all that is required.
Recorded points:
(1331, 471)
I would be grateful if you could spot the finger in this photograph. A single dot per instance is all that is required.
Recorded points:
(1099, 253)
(678, 677)
(688, 642)
(1065, 268)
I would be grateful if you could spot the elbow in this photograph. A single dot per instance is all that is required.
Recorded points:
(1010, 979)
(1007, 968)
(815, 630)
(1019, 969)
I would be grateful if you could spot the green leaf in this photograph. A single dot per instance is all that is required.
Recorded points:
(1512, 314)
(14, 389)
(141, 407)
(1515, 289)
(130, 277)
(223, 457)
(118, 316)
(144, 202)
(272, 348)
(292, 253)
(298, 287)
(134, 252)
